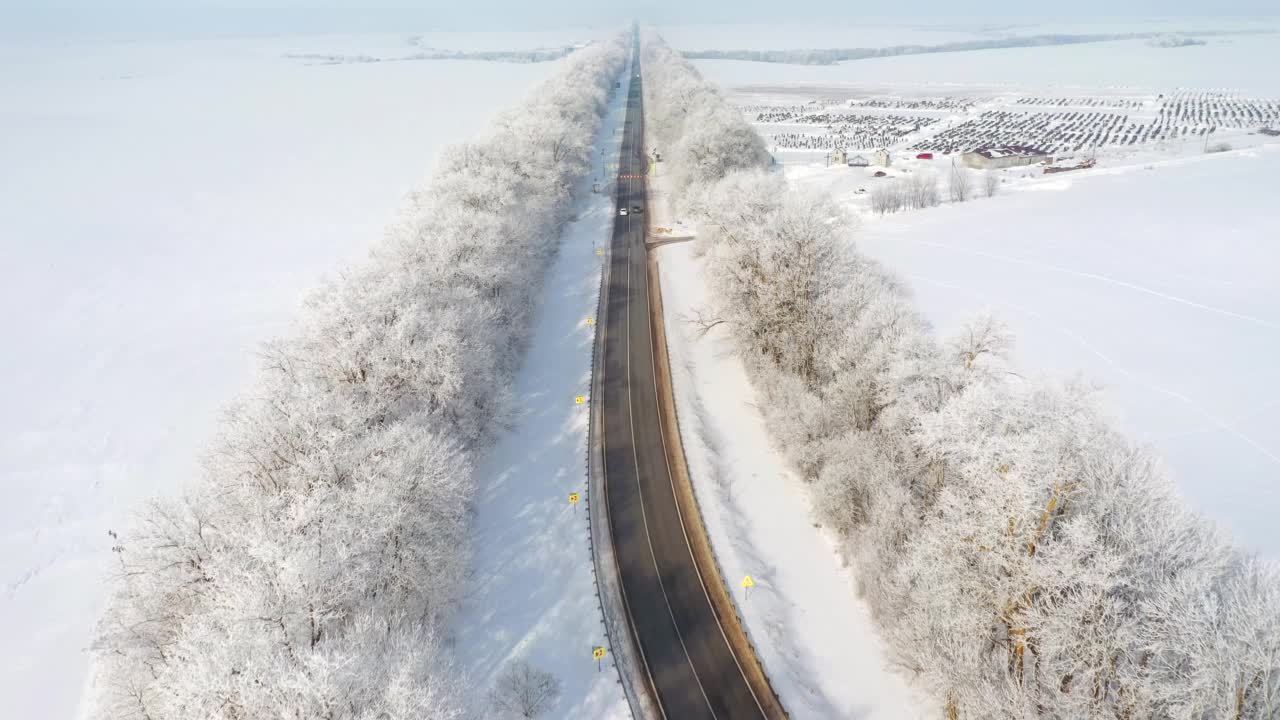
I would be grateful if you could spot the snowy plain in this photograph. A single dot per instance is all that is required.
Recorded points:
(165, 205)
(1157, 283)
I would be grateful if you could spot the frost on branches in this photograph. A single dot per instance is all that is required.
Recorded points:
(1022, 557)
(702, 137)
(311, 570)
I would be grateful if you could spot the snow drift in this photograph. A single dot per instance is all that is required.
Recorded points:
(311, 572)
(1023, 558)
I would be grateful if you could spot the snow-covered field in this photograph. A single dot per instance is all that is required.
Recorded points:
(1156, 283)
(165, 204)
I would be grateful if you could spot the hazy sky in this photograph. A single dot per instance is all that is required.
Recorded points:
(396, 15)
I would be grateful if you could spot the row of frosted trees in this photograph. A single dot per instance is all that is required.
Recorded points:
(1022, 557)
(311, 570)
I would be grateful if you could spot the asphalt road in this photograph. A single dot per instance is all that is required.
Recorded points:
(693, 670)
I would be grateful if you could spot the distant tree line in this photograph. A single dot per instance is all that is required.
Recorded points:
(831, 56)
(510, 56)
(311, 570)
(1023, 558)
(1174, 41)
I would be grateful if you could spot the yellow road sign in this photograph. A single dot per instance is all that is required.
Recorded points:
(580, 399)
(573, 498)
(597, 653)
(599, 251)
(591, 321)
(748, 582)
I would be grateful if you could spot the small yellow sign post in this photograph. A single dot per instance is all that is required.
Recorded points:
(591, 320)
(748, 583)
(573, 500)
(600, 251)
(598, 654)
(579, 399)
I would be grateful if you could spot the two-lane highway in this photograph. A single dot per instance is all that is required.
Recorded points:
(693, 669)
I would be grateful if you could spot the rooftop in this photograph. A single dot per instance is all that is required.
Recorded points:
(1001, 151)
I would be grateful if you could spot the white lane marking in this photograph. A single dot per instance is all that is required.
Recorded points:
(604, 448)
(636, 459)
(671, 478)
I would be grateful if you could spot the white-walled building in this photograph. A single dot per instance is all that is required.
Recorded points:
(1004, 156)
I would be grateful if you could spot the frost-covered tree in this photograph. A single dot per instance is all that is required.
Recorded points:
(309, 571)
(913, 192)
(922, 190)
(1022, 556)
(525, 691)
(990, 183)
(701, 136)
(959, 188)
(888, 197)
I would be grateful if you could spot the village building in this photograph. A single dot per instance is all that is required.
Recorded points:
(882, 158)
(858, 161)
(837, 156)
(1005, 156)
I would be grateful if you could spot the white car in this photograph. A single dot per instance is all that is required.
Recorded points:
(622, 211)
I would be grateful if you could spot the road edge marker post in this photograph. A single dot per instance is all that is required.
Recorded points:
(598, 654)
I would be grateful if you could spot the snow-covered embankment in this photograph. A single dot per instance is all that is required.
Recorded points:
(532, 595)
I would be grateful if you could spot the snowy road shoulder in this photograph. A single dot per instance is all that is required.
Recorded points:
(532, 596)
(815, 637)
